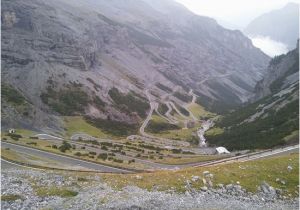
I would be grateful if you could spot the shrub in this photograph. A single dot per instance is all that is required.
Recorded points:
(82, 179)
(183, 97)
(65, 101)
(65, 146)
(14, 136)
(10, 197)
(162, 108)
(54, 146)
(11, 95)
(176, 151)
(130, 102)
(92, 153)
(99, 103)
(118, 160)
(131, 161)
(78, 154)
(163, 87)
(103, 156)
(184, 111)
(104, 148)
(32, 143)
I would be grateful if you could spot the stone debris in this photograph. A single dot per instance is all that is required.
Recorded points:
(138, 177)
(95, 194)
(195, 178)
(204, 188)
(205, 173)
(289, 168)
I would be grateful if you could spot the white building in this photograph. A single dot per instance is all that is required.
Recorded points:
(11, 130)
(222, 150)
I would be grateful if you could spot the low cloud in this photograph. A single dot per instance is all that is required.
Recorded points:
(269, 46)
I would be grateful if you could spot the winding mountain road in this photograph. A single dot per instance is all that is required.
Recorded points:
(63, 159)
(103, 168)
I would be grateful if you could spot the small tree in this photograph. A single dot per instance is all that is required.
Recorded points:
(65, 146)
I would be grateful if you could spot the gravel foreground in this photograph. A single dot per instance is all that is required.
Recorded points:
(95, 194)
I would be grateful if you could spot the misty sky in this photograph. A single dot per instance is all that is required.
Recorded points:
(236, 12)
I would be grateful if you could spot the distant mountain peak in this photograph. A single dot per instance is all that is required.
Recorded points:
(281, 25)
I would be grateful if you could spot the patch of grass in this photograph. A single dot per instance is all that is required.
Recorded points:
(55, 191)
(293, 137)
(10, 154)
(159, 124)
(249, 174)
(199, 112)
(157, 119)
(163, 87)
(160, 127)
(77, 124)
(11, 197)
(183, 160)
(25, 132)
(178, 134)
(214, 131)
(114, 128)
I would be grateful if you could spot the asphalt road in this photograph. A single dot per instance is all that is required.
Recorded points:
(98, 167)
(7, 165)
(63, 159)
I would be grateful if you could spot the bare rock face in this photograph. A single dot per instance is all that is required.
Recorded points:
(282, 71)
(132, 46)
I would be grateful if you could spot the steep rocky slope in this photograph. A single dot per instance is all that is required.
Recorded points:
(281, 25)
(282, 71)
(65, 58)
(274, 118)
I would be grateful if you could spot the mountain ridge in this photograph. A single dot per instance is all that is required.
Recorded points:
(94, 46)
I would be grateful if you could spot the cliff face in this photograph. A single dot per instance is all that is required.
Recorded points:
(88, 46)
(282, 71)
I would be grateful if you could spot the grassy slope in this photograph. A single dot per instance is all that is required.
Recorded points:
(264, 132)
(249, 174)
(177, 134)
(79, 125)
(199, 111)
(183, 160)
